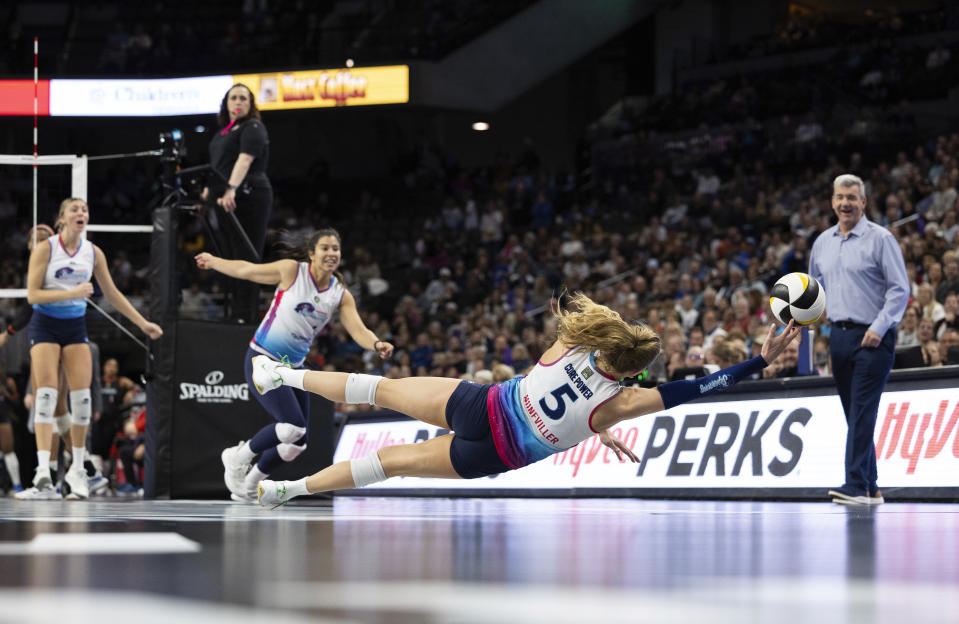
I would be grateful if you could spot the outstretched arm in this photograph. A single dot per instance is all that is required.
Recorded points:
(280, 273)
(117, 299)
(641, 401)
(358, 330)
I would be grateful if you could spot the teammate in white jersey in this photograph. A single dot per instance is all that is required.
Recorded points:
(571, 393)
(309, 290)
(58, 283)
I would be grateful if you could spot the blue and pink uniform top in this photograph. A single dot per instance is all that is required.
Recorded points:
(296, 316)
(550, 409)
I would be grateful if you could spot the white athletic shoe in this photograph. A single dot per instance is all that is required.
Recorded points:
(265, 377)
(42, 488)
(98, 485)
(272, 493)
(234, 469)
(79, 486)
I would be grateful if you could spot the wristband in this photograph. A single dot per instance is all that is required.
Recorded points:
(376, 342)
(232, 187)
(678, 392)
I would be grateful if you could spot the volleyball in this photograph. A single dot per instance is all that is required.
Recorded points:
(799, 297)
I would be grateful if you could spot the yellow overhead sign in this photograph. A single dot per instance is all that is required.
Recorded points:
(358, 86)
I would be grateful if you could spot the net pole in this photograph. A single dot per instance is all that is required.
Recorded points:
(36, 100)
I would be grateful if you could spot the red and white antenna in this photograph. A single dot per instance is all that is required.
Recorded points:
(36, 99)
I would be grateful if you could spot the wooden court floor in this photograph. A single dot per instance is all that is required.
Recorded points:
(477, 560)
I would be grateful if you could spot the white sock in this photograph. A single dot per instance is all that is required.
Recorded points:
(246, 453)
(297, 488)
(78, 452)
(43, 460)
(253, 477)
(97, 464)
(291, 377)
(13, 467)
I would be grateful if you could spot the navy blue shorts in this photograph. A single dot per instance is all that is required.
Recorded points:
(63, 332)
(472, 453)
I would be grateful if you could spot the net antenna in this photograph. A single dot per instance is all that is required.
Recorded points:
(36, 100)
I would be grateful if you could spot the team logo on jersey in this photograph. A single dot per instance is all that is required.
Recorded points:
(306, 309)
(63, 272)
(301, 338)
(586, 373)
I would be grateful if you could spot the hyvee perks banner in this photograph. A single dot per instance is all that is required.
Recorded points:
(790, 442)
(329, 87)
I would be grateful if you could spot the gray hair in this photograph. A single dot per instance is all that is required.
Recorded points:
(848, 179)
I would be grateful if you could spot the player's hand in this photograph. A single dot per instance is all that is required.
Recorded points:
(618, 447)
(152, 330)
(204, 260)
(775, 345)
(84, 290)
(384, 349)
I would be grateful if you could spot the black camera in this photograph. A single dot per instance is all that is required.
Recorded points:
(172, 147)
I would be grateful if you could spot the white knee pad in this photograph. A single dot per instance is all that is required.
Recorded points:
(46, 403)
(80, 407)
(367, 470)
(287, 433)
(63, 423)
(289, 452)
(361, 388)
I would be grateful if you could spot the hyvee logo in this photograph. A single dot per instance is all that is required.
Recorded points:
(211, 392)
(924, 437)
(731, 443)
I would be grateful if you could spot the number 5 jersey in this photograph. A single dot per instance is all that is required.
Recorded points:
(549, 410)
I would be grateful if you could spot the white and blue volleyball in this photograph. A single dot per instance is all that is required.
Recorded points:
(798, 297)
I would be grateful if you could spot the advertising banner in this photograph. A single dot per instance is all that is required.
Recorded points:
(795, 442)
(329, 87)
(138, 98)
(201, 95)
(16, 97)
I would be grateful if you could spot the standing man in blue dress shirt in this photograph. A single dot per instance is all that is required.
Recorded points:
(861, 267)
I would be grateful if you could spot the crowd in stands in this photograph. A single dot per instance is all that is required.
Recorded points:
(804, 30)
(218, 36)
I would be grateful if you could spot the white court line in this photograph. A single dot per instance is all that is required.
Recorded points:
(42, 606)
(119, 228)
(276, 517)
(101, 544)
(713, 600)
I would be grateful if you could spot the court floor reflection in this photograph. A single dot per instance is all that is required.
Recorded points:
(486, 560)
